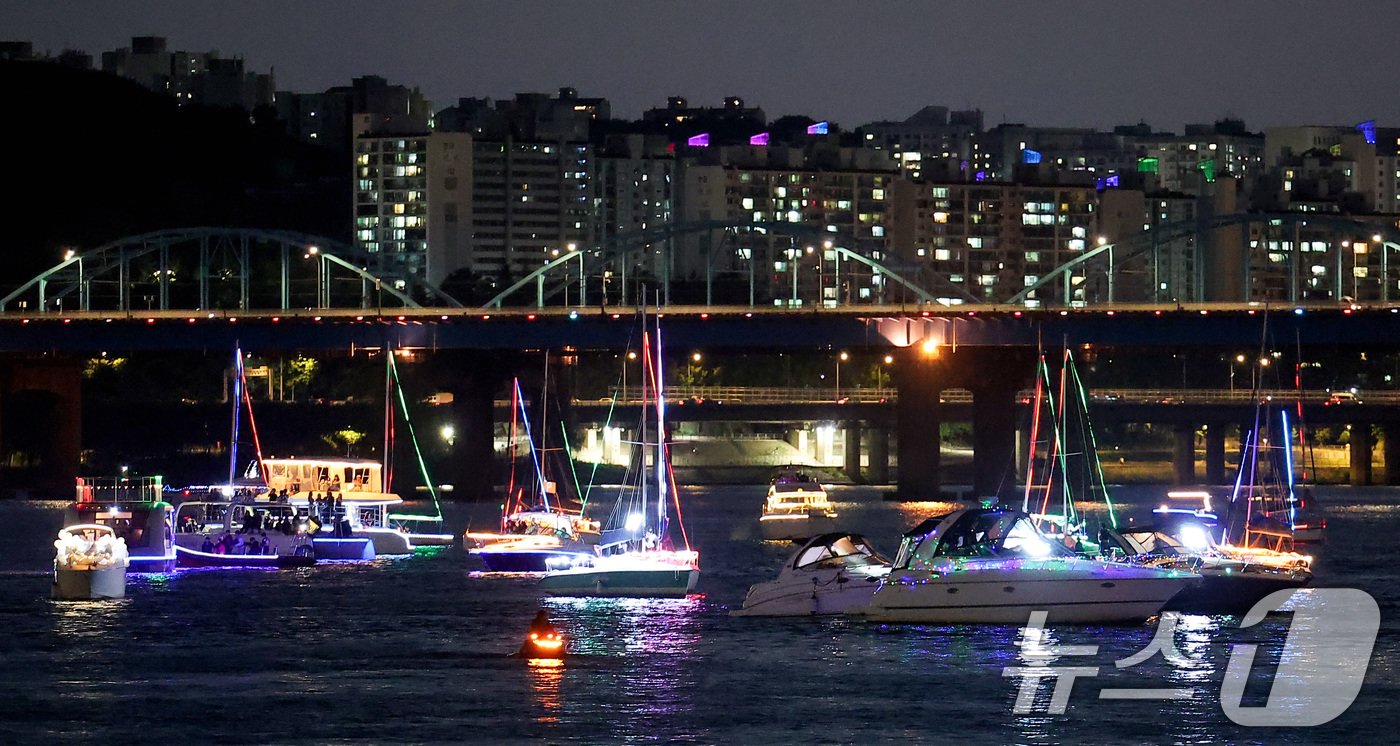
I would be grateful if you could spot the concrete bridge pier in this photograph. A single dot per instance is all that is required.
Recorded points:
(474, 381)
(1215, 453)
(879, 456)
(1390, 452)
(917, 422)
(853, 452)
(994, 437)
(41, 418)
(1184, 454)
(1359, 451)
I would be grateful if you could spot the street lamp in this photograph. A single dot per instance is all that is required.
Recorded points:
(1238, 359)
(843, 357)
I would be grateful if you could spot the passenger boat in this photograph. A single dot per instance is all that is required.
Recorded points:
(991, 565)
(830, 574)
(635, 554)
(134, 507)
(243, 532)
(89, 564)
(541, 532)
(796, 507)
(1230, 583)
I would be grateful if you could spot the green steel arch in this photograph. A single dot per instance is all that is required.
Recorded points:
(1150, 246)
(619, 251)
(222, 269)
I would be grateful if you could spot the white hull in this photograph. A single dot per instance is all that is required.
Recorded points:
(810, 594)
(89, 585)
(645, 574)
(997, 592)
(787, 526)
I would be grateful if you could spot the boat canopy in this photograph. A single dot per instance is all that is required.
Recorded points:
(835, 549)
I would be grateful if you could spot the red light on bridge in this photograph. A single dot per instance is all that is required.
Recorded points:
(925, 313)
(1251, 312)
(1017, 314)
(971, 313)
(150, 321)
(67, 321)
(1111, 313)
(1345, 312)
(359, 318)
(276, 319)
(401, 318)
(531, 317)
(617, 316)
(190, 320)
(704, 316)
(26, 321)
(748, 315)
(1156, 313)
(233, 321)
(1064, 313)
(313, 318)
(444, 317)
(485, 316)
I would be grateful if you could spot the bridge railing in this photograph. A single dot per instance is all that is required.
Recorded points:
(632, 395)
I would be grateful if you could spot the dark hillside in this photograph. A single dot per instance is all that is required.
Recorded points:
(93, 158)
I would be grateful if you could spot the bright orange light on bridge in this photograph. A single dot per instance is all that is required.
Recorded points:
(930, 346)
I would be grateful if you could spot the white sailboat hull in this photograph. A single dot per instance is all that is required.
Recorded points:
(1001, 592)
(644, 574)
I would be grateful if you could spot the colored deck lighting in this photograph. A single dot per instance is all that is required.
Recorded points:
(759, 139)
(701, 140)
(820, 128)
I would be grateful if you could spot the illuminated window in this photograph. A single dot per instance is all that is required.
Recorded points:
(942, 255)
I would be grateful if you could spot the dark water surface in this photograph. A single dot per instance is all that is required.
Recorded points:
(417, 650)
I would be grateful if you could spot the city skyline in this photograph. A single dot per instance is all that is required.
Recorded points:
(1098, 66)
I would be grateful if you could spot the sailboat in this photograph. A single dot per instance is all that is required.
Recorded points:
(635, 554)
(360, 490)
(1063, 463)
(541, 531)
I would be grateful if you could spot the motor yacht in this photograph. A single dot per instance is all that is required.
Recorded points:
(1230, 583)
(991, 565)
(89, 564)
(134, 507)
(796, 507)
(830, 574)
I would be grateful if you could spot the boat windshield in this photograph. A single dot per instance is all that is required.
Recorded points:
(981, 533)
(838, 551)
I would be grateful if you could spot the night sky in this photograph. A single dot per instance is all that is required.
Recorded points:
(1083, 63)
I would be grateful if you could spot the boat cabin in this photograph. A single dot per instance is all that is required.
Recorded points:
(836, 550)
(135, 510)
(976, 533)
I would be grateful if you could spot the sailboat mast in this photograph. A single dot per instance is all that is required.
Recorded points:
(237, 411)
(660, 436)
(642, 439)
(386, 473)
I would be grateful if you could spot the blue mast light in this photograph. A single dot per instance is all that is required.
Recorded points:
(1288, 463)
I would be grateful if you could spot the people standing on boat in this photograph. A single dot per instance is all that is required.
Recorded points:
(207, 547)
(335, 483)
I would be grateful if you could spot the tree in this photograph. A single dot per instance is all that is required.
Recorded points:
(301, 371)
(346, 437)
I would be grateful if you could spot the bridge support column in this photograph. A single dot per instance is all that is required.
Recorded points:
(994, 438)
(1359, 450)
(1183, 454)
(917, 422)
(474, 380)
(853, 452)
(1390, 452)
(1023, 450)
(1215, 453)
(41, 422)
(879, 462)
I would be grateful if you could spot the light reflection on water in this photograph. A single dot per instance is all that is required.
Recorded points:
(418, 650)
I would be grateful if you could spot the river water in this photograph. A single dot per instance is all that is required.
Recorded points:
(417, 650)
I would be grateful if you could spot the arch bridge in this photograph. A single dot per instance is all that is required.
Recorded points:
(237, 269)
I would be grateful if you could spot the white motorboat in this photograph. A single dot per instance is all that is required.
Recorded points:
(797, 507)
(1230, 584)
(830, 574)
(89, 564)
(136, 511)
(991, 565)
